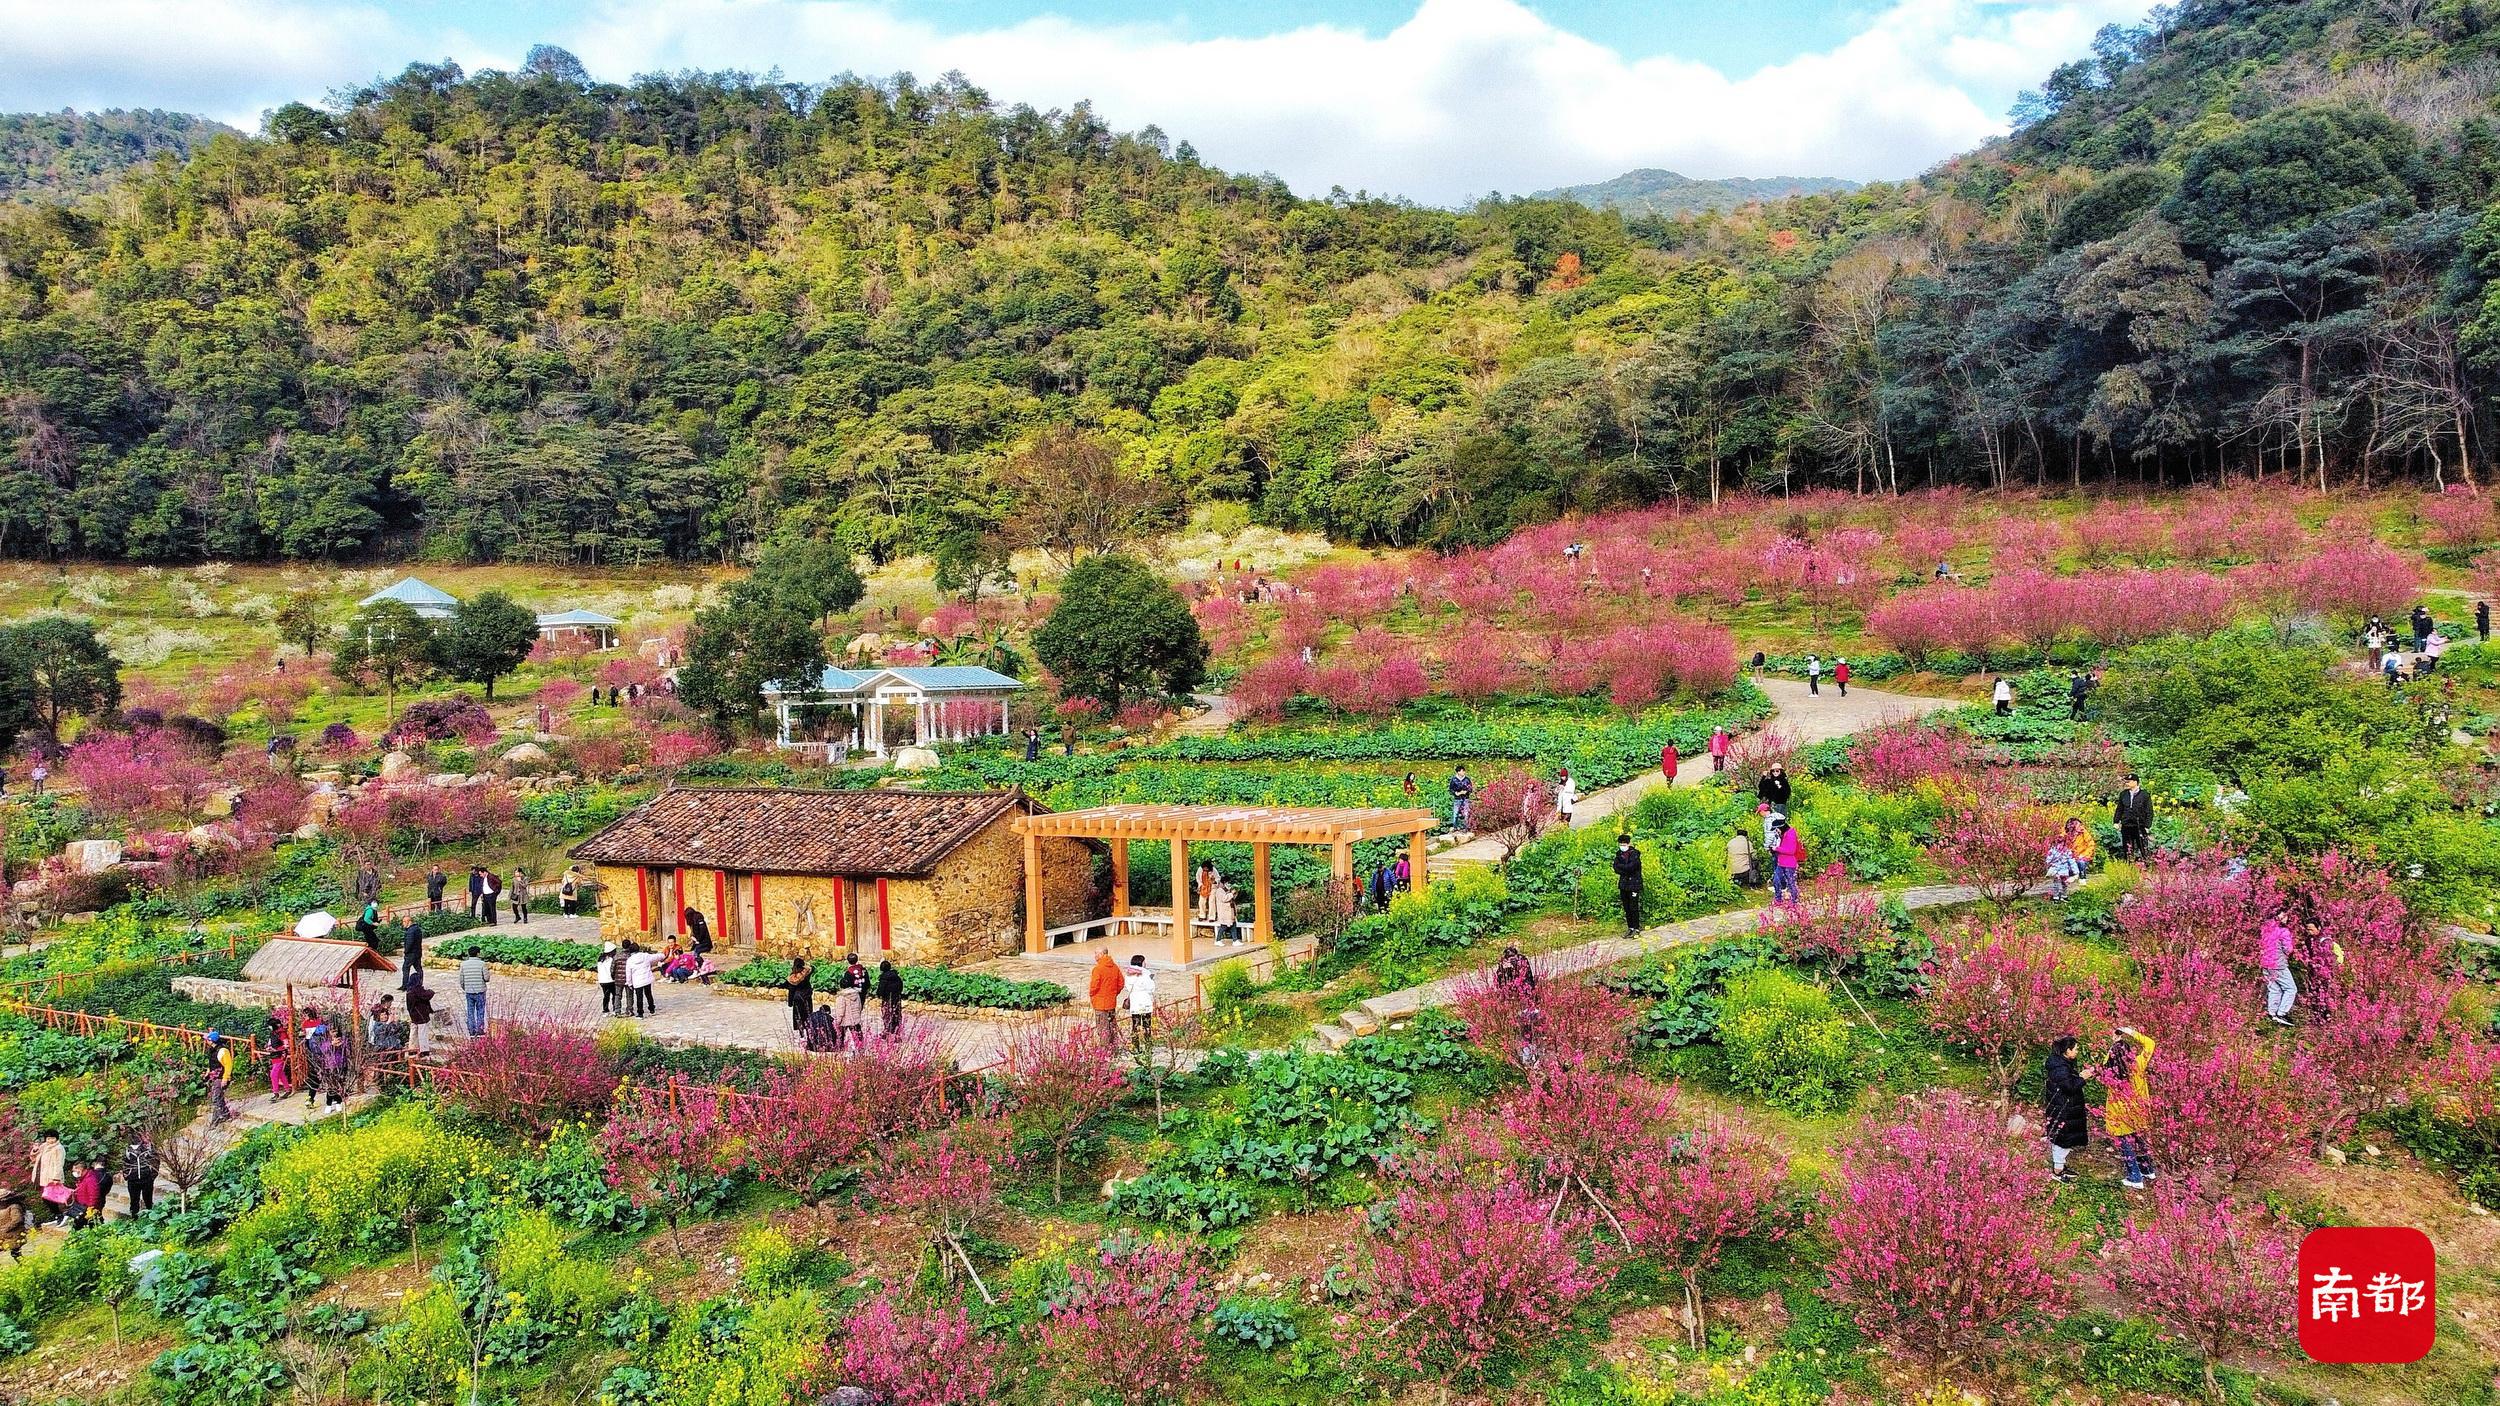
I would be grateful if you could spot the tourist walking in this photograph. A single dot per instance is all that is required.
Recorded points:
(2130, 1108)
(41, 771)
(1773, 789)
(411, 954)
(817, 1032)
(1814, 674)
(520, 894)
(2422, 626)
(1462, 798)
(368, 883)
(1566, 797)
(220, 1078)
(1788, 851)
(1206, 892)
(1840, 675)
(477, 892)
(2134, 814)
(569, 892)
(1720, 744)
(281, 1057)
(139, 1164)
(369, 924)
(435, 880)
(606, 972)
(1102, 992)
(473, 992)
(641, 979)
(487, 901)
(1669, 762)
(2003, 693)
(2062, 1118)
(1227, 909)
(1137, 995)
(421, 1018)
(2274, 961)
(1740, 867)
(2482, 635)
(1628, 882)
(890, 998)
(2077, 686)
(799, 989)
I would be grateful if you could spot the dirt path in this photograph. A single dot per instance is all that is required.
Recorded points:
(1806, 717)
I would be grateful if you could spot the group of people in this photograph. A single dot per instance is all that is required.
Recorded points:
(1773, 793)
(2125, 1116)
(486, 892)
(840, 1021)
(2430, 645)
(71, 1191)
(1814, 674)
(1216, 903)
(1112, 990)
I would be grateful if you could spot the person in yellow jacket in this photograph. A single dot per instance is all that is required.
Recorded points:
(2130, 1108)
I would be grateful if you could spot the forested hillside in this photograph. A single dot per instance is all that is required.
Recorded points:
(530, 317)
(1666, 193)
(58, 155)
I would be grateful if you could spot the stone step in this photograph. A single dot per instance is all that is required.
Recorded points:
(1332, 1036)
(1360, 1021)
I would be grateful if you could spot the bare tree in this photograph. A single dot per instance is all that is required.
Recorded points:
(183, 1157)
(1071, 497)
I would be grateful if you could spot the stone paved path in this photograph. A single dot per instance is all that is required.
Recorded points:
(1805, 717)
(1371, 1014)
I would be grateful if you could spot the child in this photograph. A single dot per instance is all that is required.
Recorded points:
(2063, 870)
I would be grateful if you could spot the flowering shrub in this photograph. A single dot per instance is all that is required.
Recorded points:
(1568, 1021)
(1062, 1084)
(349, 1187)
(2189, 1003)
(559, 694)
(1127, 1327)
(401, 816)
(910, 1356)
(528, 1075)
(442, 719)
(2218, 1273)
(1897, 755)
(340, 740)
(2233, 1113)
(1940, 1231)
(1998, 846)
(671, 750)
(1263, 689)
(135, 775)
(1787, 1042)
(1686, 1199)
(1831, 930)
(946, 1182)
(1468, 1271)
(1568, 1121)
(1999, 994)
(670, 1148)
(1513, 806)
(1753, 754)
(2457, 516)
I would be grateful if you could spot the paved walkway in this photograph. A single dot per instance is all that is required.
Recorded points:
(1805, 717)
(1371, 1014)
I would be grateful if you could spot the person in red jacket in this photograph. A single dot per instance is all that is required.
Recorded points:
(1840, 675)
(1668, 761)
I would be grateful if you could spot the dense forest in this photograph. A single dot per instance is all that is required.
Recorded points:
(528, 316)
(1669, 194)
(50, 155)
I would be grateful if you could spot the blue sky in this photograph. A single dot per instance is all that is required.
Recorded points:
(1437, 100)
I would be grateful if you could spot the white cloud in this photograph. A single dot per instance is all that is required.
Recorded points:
(1465, 96)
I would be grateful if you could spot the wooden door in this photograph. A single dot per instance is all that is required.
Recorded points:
(738, 924)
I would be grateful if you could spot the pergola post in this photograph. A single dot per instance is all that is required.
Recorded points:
(1417, 859)
(1182, 913)
(1033, 938)
(1119, 880)
(1341, 864)
(1262, 893)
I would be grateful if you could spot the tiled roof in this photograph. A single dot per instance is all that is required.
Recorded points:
(945, 678)
(312, 961)
(767, 830)
(408, 590)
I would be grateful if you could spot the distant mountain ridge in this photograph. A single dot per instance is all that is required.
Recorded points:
(1653, 192)
(57, 155)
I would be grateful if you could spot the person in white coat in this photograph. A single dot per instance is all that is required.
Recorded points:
(1137, 997)
(1566, 797)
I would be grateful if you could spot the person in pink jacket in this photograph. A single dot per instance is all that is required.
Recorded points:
(2274, 960)
(1720, 742)
(1787, 852)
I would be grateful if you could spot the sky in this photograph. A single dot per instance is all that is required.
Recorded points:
(1435, 100)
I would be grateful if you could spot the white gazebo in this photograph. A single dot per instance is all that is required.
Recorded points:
(599, 629)
(947, 702)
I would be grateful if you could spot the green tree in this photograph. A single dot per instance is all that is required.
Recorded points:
(487, 637)
(757, 636)
(812, 572)
(1119, 631)
(2288, 168)
(63, 669)
(386, 643)
(303, 622)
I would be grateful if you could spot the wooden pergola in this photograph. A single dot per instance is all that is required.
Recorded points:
(1339, 828)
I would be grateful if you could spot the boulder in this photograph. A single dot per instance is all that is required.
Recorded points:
(309, 830)
(398, 766)
(916, 759)
(328, 776)
(527, 757)
(447, 779)
(92, 856)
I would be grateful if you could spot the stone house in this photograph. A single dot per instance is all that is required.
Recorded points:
(929, 877)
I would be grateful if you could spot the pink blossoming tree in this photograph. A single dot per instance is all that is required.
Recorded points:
(1127, 1327)
(2218, 1273)
(913, 1356)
